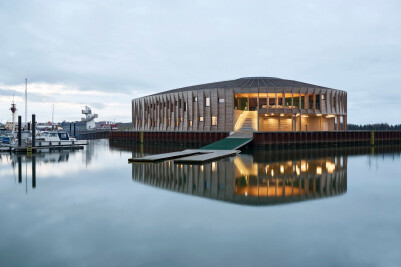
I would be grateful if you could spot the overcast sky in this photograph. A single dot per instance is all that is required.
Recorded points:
(104, 53)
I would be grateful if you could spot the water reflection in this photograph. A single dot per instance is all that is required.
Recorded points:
(251, 179)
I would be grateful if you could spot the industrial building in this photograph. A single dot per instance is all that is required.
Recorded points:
(257, 104)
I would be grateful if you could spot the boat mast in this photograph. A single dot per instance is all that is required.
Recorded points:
(26, 102)
(13, 110)
(53, 115)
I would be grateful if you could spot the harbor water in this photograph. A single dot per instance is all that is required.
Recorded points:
(316, 207)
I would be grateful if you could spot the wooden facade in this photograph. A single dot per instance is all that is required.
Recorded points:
(212, 107)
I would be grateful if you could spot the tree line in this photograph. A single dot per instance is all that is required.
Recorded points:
(374, 127)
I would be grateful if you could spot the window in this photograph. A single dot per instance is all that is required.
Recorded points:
(318, 102)
(175, 103)
(179, 103)
(207, 102)
(190, 122)
(302, 101)
(195, 99)
(310, 101)
(168, 121)
(200, 118)
(214, 120)
(323, 97)
(262, 102)
(279, 100)
(296, 100)
(180, 118)
(333, 103)
(185, 106)
(272, 100)
(288, 101)
(221, 100)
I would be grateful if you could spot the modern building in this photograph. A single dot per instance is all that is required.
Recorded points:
(257, 104)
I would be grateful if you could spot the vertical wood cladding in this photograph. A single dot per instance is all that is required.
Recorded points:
(198, 110)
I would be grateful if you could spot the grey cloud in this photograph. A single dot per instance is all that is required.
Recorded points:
(146, 47)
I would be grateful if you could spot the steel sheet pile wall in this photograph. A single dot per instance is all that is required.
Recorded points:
(264, 139)
(182, 138)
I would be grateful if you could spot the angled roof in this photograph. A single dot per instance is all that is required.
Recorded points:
(247, 82)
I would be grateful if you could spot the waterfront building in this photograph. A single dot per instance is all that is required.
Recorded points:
(258, 104)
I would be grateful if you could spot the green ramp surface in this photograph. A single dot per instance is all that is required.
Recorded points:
(227, 144)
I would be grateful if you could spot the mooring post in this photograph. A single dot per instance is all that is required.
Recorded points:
(19, 169)
(33, 171)
(19, 130)
(372, 138)
(29, 126)
(33, 129)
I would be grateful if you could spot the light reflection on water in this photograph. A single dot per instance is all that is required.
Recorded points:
(242, 179)
(92, 208)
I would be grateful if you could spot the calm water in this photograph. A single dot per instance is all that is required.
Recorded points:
(333, 207)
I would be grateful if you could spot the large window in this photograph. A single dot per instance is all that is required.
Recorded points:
(279, 101)
(296, 101)
(317, 102)
(272, 100)
(288, 101)
(201, 118)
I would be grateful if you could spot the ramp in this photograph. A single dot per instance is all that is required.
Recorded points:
(231, 142)
(220, 149)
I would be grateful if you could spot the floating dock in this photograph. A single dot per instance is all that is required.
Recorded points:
(220, 149)
(188, 156)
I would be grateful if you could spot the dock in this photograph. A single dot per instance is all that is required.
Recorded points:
(220, 149)
(24, 149)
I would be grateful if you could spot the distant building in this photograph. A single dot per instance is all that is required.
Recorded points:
(247, 104)
(89, 118)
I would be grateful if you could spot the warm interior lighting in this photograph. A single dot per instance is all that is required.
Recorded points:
(330, 166)
(265, 115)
(201, 168)
(318, 115)
(319, 170)
(213, 166)
(282, 115)
(281, 169)
(304, 166)
(304, 116)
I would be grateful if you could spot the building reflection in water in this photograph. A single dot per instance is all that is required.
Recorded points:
(252, 179)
